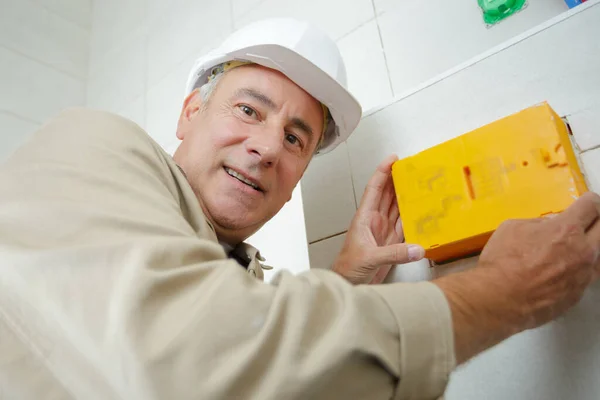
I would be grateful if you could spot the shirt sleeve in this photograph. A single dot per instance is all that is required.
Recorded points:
(136, 289)
(308, 336)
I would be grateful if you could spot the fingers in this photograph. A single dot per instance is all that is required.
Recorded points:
(393, 212)
(387, 197)
(381, 274)
(399, 229)
(376, 185)
(594, 233)
(397, 254)
(584, 211)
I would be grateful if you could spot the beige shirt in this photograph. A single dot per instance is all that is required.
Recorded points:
(113, 286)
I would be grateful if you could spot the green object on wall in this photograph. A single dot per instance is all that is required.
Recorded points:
(496, 10)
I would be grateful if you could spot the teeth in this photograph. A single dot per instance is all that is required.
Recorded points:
(241, 178)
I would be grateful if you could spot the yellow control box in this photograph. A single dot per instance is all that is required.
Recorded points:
(453, 196)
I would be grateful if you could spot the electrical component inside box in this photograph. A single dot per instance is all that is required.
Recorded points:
(454, 195)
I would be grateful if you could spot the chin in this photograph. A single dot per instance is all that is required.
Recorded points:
(233, 218)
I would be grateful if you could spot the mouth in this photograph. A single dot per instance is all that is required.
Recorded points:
(243, 179)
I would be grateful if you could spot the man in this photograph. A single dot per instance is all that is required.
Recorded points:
(124, 273)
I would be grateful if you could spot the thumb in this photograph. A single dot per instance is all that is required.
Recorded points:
(400, 253)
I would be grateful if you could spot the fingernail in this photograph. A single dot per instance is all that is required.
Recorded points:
(415, 252)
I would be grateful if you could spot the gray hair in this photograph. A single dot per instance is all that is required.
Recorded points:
(209, 87)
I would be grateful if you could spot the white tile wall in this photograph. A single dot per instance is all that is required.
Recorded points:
(135, 111)
(323, 253)
(13, 133)
(368, 78)
(591, 168)
(524, 74)
(336, 17)
(425, 38)
(411, 272)
(113, 21)
(453, 267)
(119, 76)
(38, 33)
(165, 100)
(157, 9)
(555, 362)
(34, 91)
(243, 7)
(328, 195)
(282, 241)
(585, 125)
(76, 11)
(172, 146)
(191, 29)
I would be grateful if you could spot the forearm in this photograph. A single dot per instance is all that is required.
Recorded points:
(484, 311)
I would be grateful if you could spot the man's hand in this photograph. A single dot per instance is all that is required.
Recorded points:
(529, 273)
(374, 242)
(548, 262)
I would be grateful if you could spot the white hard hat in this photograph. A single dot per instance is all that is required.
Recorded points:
(305, 54)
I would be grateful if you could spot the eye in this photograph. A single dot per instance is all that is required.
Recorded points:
(293, 139)
(248, 110)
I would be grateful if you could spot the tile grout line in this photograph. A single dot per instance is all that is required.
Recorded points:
(328, 237)
(596, 147)
(49, 10)
(19, 116)
(483, 56)
(351, 31)
(387, 67)
(351, 178)
(43, 63)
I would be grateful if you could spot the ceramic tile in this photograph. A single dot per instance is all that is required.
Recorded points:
(76, 11)
(38, 33)
(425, 38)
(135, 111)
(118, 78)
(35, 91)
(165, 100)
(191, 29)
(410, 272)
(290, 254)
(591, 169)
(327, 195)
(585, 126)
(113, 20)
(14, 132)
(323, 253)
(243, 7)
(365, 65)
(318, 12)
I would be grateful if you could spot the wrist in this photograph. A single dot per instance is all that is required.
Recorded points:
(339, 268)
(484, 308)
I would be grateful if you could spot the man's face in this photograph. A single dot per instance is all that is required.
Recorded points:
(244, 152)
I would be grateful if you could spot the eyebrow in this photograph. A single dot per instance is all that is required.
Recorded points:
(302, 125)
(267, 102)
(255, 94)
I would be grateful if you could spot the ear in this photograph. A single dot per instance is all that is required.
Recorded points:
(191, 107)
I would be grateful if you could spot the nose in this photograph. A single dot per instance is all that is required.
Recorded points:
(266, 146)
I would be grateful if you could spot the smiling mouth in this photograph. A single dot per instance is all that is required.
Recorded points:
(240, 178)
